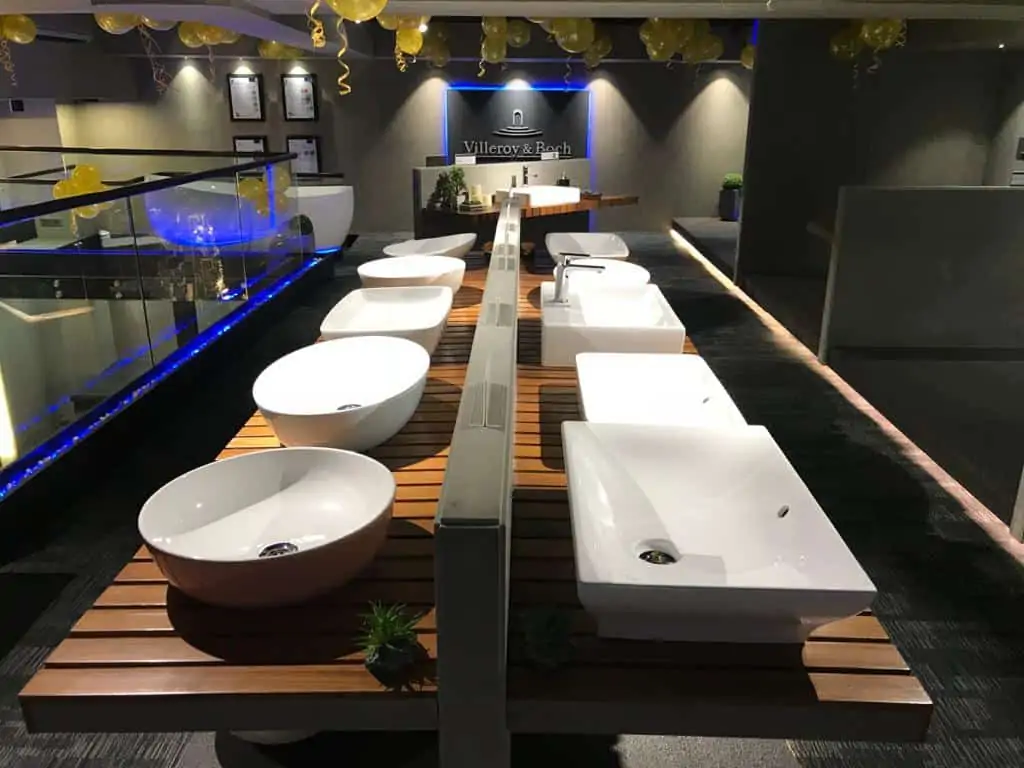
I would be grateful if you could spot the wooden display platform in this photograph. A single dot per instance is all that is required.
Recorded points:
(147, 658)
(847, 682)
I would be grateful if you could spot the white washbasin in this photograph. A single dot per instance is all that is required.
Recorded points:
(540, 195)
(637, 319)
(417, 313)
(269, 528)
(455, 246)
(396, 271)
(613, 274)
(663, 389)
(601, 245)
(351, 393)
(756, 558)
(329, 209)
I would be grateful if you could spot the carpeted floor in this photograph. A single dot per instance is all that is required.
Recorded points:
(954, 603)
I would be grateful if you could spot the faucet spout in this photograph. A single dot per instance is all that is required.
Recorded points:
(561, 268)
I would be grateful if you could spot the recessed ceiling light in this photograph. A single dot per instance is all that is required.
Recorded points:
(1002, 45)
(423, 27)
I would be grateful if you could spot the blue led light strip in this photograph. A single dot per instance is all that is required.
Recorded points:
(41, 457)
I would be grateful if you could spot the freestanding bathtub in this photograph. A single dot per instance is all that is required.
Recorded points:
(329, 209)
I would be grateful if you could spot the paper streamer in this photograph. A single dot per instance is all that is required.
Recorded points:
(344, 89)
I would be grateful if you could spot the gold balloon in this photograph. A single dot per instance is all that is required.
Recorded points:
(409, 41)
(262, 209)
(412, 22)
(117, 23)
(210, 35)
(87, 211)
(747, 56)
(846, 44)
(574, 35)
(591, 58)
(388, 21)
(660, 50)
(713, 48)
(495, 26)
(229, 36)
(701, 28)
(17, 28)
(518, 33)
(493, 50)
(251, 188)
(440, 56)
(683, 31)
(881, 34)
(280, 202)
(159, 25)
(647, 30)
(357, 10)
(602, 44)
(548, 25)
(86, 178)
(189, 34)
(64, 188)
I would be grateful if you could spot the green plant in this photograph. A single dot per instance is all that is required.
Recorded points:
(389, 643)
(447, 189)
(732, 181)
(545, 637)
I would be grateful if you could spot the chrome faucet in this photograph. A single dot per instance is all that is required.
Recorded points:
(561, 268)
(526, 175)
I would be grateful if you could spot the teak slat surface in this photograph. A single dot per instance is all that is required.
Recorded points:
(147, 658)
(847, 682)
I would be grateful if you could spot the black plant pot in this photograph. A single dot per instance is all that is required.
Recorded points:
(729, 201)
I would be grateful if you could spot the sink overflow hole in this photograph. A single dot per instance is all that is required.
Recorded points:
(278, 549)
(783, 510)
(347, 407)
(656, 557)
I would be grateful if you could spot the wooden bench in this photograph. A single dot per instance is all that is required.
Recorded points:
(147, 658)
(847, 682)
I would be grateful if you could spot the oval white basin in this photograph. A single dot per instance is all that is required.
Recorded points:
(353, 393)
(329, 209)
(269, 528)
(615, 274)
(418, 313)
(394, 272)
(455, 246)
(601, 245)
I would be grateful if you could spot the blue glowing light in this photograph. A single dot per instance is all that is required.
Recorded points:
(325, 251)
(208, 214)
(41, 457)
(754, 31)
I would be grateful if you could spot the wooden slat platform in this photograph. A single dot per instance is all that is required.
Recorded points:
(847, 682)
(147, 658)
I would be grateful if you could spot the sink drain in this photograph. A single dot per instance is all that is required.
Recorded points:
(656, 557)
(278, 549)
(347, 407)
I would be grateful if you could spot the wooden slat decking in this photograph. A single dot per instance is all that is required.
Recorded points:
(847, 682)
(147, 658)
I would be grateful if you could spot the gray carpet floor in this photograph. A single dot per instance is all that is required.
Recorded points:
(953, 603)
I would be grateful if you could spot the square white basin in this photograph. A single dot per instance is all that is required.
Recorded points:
(665, 389)
(600, 245)
(540, 195)
(751, 557)
(614, 273)
(417, 313)
(635, 319)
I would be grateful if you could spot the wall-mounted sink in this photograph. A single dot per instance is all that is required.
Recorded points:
(632, 388)
(540, 195)
(704, 535)
(601, 245)
(613, 274)
(397, 271)
(418, 313)
(353, 393)
(621, 320)
(269, 528)
(455, 246)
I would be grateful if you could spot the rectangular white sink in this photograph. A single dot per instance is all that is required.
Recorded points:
(540, 195)
(634, 319)
(752, 558)
(659, 389)
(600, 245)
(418, 313)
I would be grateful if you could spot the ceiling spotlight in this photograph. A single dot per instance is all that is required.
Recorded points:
(1002, 46)
(423, 27)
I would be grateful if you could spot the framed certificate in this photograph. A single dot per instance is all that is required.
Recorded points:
(307, 153)
(250, 145)
(245, 96)
(300, 99)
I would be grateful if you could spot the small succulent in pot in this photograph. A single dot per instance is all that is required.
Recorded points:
(732, 181)
(730, 197)
(389, 643)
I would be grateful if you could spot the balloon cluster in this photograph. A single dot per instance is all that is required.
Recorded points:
(122, 23)
(271, 49)
(748, 56)
(266, 191)
(598, 49)
(414, 36)
(195, 34)
(574, 35)
(692, 40)
(357, 10)
(494, 45)
(84, 180)
(875, 34)
(17, 28)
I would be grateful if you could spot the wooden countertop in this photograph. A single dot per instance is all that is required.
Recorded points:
(586, 204)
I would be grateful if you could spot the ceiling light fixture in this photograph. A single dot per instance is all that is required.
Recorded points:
(423, 28)
(1002, 46)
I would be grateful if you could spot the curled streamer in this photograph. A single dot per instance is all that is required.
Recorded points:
(316, 27)
(567, 77)
(876, 63)
(7, 62)
(161, 78)
(483, 68)
(344, 89)
(400, 59)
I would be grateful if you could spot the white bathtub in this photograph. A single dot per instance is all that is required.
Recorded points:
(329, 209)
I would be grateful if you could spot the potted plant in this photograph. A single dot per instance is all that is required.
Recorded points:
(447, 190)
(730, 198)
(389, 643)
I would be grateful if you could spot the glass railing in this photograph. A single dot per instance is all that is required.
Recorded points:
(101, 289)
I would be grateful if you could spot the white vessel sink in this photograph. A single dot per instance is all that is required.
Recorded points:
(329, 209)
(397, 271)
(417, 313)
(601, 245)
(755, 558)
(351, 393)
(455, 246)
(269, 528)
(665, 389)
(621, 320)
(614, 274)
(540, 195)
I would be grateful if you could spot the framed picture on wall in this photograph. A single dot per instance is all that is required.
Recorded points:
(307, 153)
(250, 145)
(300, 99)
(245, 97)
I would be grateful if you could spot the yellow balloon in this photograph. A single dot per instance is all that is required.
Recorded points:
(209, 34)
(574, 35)
(388, 21)
(682, 32)
(87, 211)
(251, 188)
(357, 10)
(591, 58)
(86, 178)
(262, 209)
(518, 33)
(412, 22)
(881, 34)
(701, 28)
(647, 30)
(660, 50)
(440, 56)
(846, 44)
(494, 26)
(18, 28)
(548, 25)
(748, 56)
(117, 23)
(409, 41)
(602, 44)
(64, 188)
(280, 202)
(712, 48)
(159, 25)
(493, 49)
(229, 36)
(282, 179)
(189, 34)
